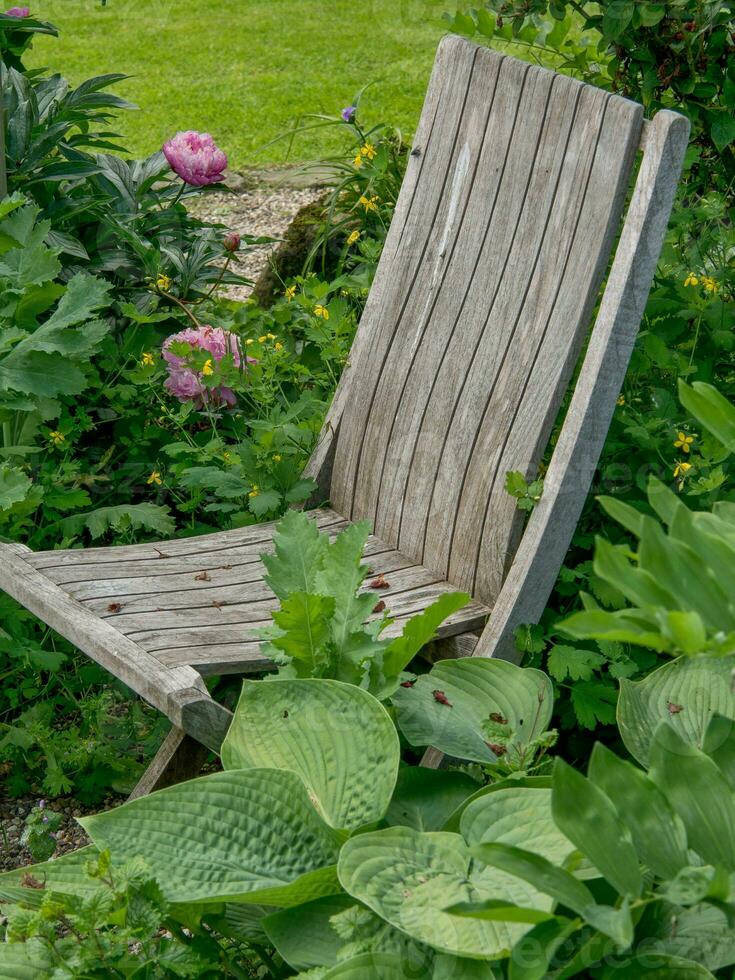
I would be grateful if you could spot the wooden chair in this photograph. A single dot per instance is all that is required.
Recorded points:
(505, 227)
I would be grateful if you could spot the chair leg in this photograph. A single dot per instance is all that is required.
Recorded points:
(179, 758)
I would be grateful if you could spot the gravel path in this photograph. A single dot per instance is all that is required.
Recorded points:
(265, 210)
(262, 211)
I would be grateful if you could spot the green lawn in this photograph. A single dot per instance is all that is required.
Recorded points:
(244, 70)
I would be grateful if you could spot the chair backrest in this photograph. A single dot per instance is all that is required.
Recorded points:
(494, 260)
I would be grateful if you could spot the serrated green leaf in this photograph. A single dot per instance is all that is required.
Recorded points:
(14, 486)
(152, 517)
(304, 621)
(594, 703)
(298, 555)
(565, 661)
(337, 738)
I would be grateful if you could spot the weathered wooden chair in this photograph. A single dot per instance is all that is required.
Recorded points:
(507, 219)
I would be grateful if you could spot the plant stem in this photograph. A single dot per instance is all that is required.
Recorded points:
(182, 306)
(3, 169)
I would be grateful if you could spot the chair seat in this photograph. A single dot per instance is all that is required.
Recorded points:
(202, 601)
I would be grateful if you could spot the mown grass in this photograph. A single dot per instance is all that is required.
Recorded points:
(245, 70)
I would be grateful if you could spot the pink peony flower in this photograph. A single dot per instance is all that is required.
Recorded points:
(18, 12)
(184, 382)
(196, 158)
(231, 241)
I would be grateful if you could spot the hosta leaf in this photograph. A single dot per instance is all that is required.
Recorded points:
(710, 408)
(303, 934)
(425, 798)
(410, 879)
(686, 693)
(587, 816)
(475, 689)
(699, 793)
(238, 836)
(337, 738)
(534, 951)
(25, 961)
(519, 816)
(701, 933)
(658, 833)
(391, 966)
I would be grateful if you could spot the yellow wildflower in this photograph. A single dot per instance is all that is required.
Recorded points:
(254, 491)
(709, 284)
(278, 345)
(321, 311)
(208, 369)
(163, 283)
(290, 292)
(57, 438)
(358, 161)
(683, 441)
(621, 400)
(368, 150)
(681, 469)
(276, 457)
(370, 204)
(271, 336)
(227, 456)
(147, 360)
(691, 280)
(353, 237)
(249, 341)
(155, 477)
(262, 340)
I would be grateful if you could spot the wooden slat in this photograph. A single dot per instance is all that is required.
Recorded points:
(459, 381)
(252, 536)
(576, 454)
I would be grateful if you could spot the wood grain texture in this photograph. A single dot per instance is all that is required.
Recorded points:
(463, 357)
(180, 757)
(567, 481)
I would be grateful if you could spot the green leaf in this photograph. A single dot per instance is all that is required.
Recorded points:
(699, 793)
(152, 517)
(341, 576)
(303, 934)
(565, 661)
(686, 693)
(25, 961)
(719, 745)
(587, 816)
(417, 632)
(562, 886)
(658, 834)
(337, 738)
(701, 933)
(238, 836)
(66, 874)
(393, 966)
(618, 14)
(722, 131)
(410, 878)
(298, 557)
(517, 815)
(475, 688)
(425, 798)
(14, 486)
(265, 502)
(704, 402)
(304, 622)
(533, 953)
(654, 966)
(594, 703)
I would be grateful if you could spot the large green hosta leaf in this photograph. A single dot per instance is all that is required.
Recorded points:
(686, 693)
(337, 738)
(410, 878)
(700, 933)
(476, 689)
(304, 935)
(240, 836)
(518, 816)
(426, 798)
(25, 961)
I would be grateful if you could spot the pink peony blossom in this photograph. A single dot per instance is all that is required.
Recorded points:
(231, 241)
(196, 158)
(18, 12)
(184, 382)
